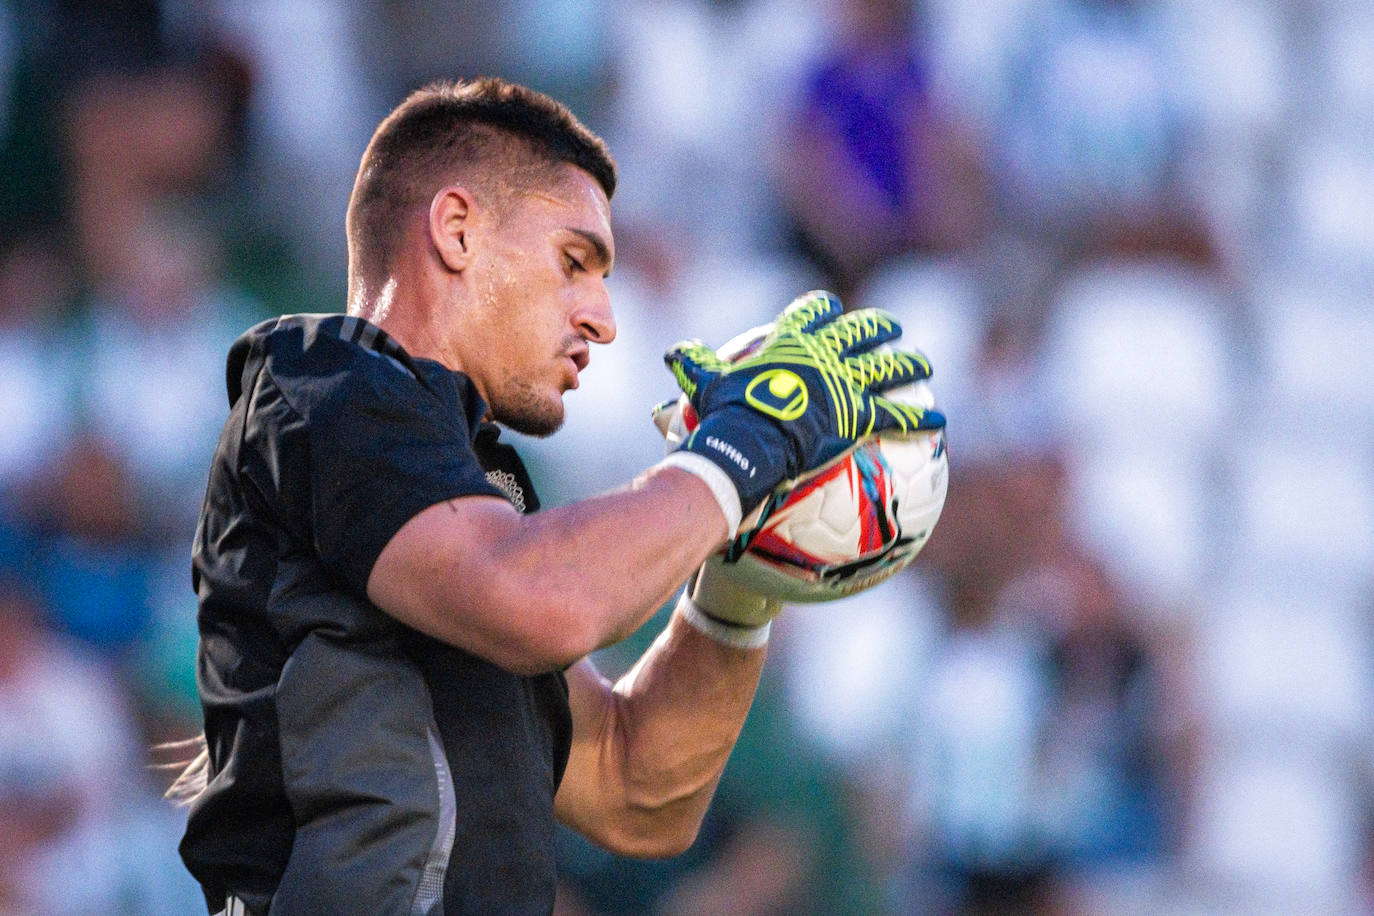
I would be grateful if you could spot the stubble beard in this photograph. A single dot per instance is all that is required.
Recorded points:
(519, 406)
(515, 402)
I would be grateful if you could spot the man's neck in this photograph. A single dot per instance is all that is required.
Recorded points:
(409, 323)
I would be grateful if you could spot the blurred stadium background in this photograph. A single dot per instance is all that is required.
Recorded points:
(1130, 674)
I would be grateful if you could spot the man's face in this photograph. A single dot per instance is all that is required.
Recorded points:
(539, 276)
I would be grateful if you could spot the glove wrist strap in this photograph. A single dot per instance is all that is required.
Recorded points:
(722, 487)
(737, 637)
(750, 449)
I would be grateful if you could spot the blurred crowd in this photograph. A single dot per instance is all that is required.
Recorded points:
(1131, 671)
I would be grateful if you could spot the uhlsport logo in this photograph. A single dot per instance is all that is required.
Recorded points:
(779, 393)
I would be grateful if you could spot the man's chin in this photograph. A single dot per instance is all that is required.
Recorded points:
(538, 422)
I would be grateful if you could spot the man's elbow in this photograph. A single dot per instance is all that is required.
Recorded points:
(653, 840)
(668, 845)
(535, 655)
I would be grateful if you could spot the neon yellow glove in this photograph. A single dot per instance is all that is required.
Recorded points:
(810, 390)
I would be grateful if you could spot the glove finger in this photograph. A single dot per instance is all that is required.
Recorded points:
(663, 413)
(860, 331)
(675, 419)
(887, 369)
(808, 312)
(694, 365)
(903, 418)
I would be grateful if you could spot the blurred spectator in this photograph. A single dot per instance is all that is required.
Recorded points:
(1117, 742)
(872, 162)
(698, 88)
(133, 138)
(37, 409)
(84, 831)
(91, 560)
(160, 322)
(1093, 133)
(1052, 737)
(111, 106)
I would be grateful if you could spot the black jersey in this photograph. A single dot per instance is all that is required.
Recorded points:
(357, 766)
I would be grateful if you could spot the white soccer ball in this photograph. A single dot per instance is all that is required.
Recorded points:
(846, 526)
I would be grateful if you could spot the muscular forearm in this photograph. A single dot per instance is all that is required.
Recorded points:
(659, 741)
(536, 593)
(614, 559)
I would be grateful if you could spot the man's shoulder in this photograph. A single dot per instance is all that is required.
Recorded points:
(318, 352)
(315, 334)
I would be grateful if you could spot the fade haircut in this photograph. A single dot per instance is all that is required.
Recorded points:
(493, 136)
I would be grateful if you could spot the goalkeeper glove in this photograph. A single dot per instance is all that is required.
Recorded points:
(808, 392)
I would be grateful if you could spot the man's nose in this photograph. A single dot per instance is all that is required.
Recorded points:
(593, 318)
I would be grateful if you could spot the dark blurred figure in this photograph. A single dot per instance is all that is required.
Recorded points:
(178, 101)
(872, 164)
(1053, 743)
(37, 397)
(118, 109)
(1109, 745)
(133, 138)
(148, 120)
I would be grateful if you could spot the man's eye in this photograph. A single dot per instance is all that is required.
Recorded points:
(574, 264)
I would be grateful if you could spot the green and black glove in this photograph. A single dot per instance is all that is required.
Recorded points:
(808, 392)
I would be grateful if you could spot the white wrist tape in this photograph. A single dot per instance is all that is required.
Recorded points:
(734, 636)
(719, 482)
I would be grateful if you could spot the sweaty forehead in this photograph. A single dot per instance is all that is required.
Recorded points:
(573, 200)
(570, 188)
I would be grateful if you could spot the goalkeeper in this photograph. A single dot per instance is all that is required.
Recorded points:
(392, 660)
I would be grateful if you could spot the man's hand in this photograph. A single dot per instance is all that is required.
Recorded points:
(718, 597)
(809, 391)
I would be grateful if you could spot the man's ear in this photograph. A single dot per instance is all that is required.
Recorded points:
(450, 226)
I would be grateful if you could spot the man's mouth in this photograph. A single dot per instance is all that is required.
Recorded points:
(578, 361)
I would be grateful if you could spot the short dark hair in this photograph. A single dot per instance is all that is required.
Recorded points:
(485, 130)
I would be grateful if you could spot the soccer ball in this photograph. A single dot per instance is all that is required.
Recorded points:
(845, 526)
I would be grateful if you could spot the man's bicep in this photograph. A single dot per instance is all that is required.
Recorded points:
(436, 572)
